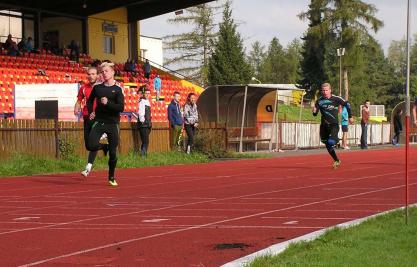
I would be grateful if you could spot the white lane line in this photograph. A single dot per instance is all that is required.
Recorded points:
(155, 220)
(25, 218)
(291, 222)
(364, 204)
(343, 210)
(56, 214)
(153, 226)
(229, 198)
(179, 216)
(256, 203)
(308, 218)
(351, 188)
(231, 209)
(284, 198)
(205, 225)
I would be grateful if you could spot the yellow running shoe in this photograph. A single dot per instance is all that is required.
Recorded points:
(336, 164)
(112, 182)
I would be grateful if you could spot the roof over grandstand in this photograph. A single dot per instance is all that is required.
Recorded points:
(137, 9)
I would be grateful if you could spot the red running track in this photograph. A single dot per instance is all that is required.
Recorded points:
(177, 215)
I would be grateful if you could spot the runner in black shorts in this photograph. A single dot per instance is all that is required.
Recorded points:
(328, 105)
(110, 102)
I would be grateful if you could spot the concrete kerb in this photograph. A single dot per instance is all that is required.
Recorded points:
(280, 247)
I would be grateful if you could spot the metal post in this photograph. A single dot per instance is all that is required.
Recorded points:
(273, 126)
(340, 53)
(243, 120)
(407, 116)
(340, 76)
(278, 130)
(56, 135)
(217, 104)
(299, 120)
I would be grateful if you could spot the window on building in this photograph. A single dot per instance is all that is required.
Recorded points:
(108, 44)
(10, 25)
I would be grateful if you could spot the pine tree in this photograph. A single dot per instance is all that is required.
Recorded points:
(397, 56)
(273, 67)
(312, 68)
(350, 21)
(293, 56)
(228, 63)
(256, 57)
(190, 51)
(335, 24)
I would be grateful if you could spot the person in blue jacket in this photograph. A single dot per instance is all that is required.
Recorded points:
(345, 128)
(175, 119)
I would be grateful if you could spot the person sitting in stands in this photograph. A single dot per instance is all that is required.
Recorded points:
(75, 51)
(129, 66)
(13, 50)
(9, 42)
(29, 45)
(147, 69)
(22, 45)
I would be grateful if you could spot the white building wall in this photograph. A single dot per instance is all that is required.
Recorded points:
(151, 48)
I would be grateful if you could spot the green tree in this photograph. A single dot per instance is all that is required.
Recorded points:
(335, 24)
(413, 57)
(189, 52)
(274, 64)
(256, 57)
(350, 21)
(228, 64)
(312, 70)
(293, 55)
(397, 56)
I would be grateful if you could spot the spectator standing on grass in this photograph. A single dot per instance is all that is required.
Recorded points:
(364, 124)
(175, 120)
(345, 127)
(398, 127)
(144, 121)
(190, 120)
(157, 85)
(147, 69)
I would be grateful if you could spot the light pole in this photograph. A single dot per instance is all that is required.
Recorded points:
(407, 117)
(256, 80)
(340, 53)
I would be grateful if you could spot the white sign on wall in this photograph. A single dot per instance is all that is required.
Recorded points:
(27, 94)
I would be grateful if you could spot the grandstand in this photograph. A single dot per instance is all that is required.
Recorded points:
(123, 16)
(59, 69)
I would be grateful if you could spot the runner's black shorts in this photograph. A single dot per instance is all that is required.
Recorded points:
(328, 131)
(345, 128)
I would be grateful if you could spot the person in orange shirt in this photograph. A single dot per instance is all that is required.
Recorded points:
(81, 108)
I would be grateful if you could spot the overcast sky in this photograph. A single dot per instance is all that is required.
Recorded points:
(261, 20)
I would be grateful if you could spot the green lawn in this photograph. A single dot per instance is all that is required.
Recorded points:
(21, 164)
(382, 241)
(292, 113)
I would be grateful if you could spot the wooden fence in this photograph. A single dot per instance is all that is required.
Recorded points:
(49, 138)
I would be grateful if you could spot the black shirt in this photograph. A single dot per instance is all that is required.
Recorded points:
(329, 109)
(109, 113)
(398, 127)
